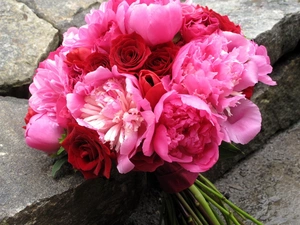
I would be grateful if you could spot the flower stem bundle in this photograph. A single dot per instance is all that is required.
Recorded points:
(202, 204)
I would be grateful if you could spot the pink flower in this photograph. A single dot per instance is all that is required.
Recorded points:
(219, 67)
(110, 103)
(43, 133)
(186, 132)
(197, 22)
(151, 27)
(100, 29)
(243, 123)
(49, 88)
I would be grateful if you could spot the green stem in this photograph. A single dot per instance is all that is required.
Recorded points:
(233, 206)
(170, 217)
(188, 208)
(229, 214)
(203, 202)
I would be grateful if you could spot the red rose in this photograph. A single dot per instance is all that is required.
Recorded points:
(86, 153)
(94, 60)
(129, 53)
(76, 57)
(197, 22)
(224, 23)
(150, 86)
(161, 59)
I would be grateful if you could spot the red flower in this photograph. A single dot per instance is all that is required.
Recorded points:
(86, 153)
(75, 59)
(173, 178)
(129, 53)
(161, 59)
(30, 113)
(146, 163)
(96, 59)
(150, 86)
(224, 23)
(248, 92)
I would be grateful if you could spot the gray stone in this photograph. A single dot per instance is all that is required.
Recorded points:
(267, 184)
(25, 40)
(273, 23)
(30, 195)
(62, 14)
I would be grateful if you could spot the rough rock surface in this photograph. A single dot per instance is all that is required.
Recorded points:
(273, 23)
(25, 40)
(30, 195)
(62, 14)
(267, 184)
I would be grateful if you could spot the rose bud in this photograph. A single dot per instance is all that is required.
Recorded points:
(150, 86)
(43, 133)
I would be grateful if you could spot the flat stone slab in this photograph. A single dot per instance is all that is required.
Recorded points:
(25, 39)
(267, 184)
(273, 23)
(30, 195)
(62, 14)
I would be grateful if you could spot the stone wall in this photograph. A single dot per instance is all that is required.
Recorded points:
(30, 29)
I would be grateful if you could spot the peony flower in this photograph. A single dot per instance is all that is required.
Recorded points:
(100, 30)
(43, 133)
(49, 87)
(109, 103)
(86, 153)
(219, 67)
(243, 123)
(186, 132)
(151, 27)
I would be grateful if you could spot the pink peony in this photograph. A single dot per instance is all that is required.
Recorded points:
(97, 34)
(151, 27)
(43, 133)
(49, 88)
(218, 70)
(186, 132)
(243, 123)
(109, 103)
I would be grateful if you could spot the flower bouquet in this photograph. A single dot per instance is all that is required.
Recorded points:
(152, 86)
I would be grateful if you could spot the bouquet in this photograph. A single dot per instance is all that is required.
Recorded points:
(152, 86)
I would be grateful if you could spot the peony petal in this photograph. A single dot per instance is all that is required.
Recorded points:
(150, 27)
(124, 164)
(244, 124)
(160, 143)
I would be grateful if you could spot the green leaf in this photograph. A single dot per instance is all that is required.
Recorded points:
(60, 150)
(63, 137)
(57, 165)
(228, 150)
